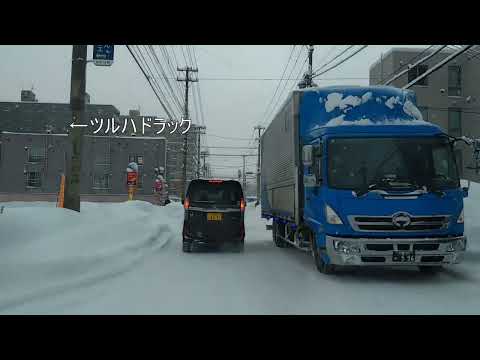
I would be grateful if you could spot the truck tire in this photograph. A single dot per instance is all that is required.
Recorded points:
(279, 242)
(323, 267)
(239, 247)
(430, 269)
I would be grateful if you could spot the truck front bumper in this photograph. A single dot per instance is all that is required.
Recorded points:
(387, 252)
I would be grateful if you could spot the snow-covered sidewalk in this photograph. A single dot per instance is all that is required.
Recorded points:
(45, 251)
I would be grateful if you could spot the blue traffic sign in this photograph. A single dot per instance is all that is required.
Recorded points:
(103, 55)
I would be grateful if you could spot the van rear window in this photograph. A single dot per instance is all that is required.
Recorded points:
(223, 194)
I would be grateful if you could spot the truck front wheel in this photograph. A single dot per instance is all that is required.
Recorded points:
(318, 254)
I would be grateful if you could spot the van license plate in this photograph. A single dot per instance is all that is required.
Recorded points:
(214, 216)
(403, 256)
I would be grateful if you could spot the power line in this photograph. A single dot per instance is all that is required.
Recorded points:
(409, 61)
(226, 137)
(341, 62)
(151, 85)
(283, 89)
(275, 79)
(278, 85)
(155, 80)
(172, 69)
(336, 57)
(154, 59)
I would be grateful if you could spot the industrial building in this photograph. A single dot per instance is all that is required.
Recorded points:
(449, 97)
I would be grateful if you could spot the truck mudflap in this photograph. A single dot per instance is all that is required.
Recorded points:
(392, 252)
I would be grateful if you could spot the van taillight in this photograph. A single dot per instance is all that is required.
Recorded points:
(215, 181)
(186, 203)
(242, 204)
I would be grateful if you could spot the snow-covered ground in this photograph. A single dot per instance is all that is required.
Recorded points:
(126, 258)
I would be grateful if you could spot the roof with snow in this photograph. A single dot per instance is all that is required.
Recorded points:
(333, 108)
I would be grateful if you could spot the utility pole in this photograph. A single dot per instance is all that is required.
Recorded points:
(200, 132)
(204, 154)
(259, 128)
(310, 66)
(187, 80)
(307, 80)
(75, 137)
(244, 175)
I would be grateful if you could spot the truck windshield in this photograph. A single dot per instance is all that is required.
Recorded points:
(391, 163)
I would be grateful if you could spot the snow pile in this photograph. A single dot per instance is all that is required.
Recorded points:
(46, 250)
(340, 121)
(336, 99)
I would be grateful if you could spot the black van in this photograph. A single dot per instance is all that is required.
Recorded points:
(214, 214)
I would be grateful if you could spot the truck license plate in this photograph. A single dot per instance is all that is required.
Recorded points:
(403, 256)
(214, 216)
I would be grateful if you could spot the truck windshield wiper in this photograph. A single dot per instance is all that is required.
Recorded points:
(365, 190)
(389, 184)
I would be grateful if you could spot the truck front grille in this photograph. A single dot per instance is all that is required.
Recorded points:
(385, 223)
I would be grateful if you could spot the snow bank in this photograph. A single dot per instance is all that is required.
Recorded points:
(46, 250)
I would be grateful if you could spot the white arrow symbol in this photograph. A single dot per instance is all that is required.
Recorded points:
(72, 125)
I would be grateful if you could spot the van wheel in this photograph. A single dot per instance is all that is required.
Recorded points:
(276, 239)
(187, 246)
(430, 269)
(239, 247)
(323, 267)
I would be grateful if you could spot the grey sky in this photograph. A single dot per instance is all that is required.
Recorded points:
(231, 107)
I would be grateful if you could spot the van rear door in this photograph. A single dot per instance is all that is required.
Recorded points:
(215, 212)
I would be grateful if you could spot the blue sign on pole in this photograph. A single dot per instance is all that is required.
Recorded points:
(103, 55)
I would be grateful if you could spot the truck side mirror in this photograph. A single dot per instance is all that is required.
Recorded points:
(182, 201)
(465, 192)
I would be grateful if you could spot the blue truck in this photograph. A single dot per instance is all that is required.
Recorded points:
(355, 176)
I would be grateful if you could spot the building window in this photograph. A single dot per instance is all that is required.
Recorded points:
(136, 158)
(454, 122)
(102, 177)
(33, 179)
(454, 81)
(424, 111)
(415, 72)
(36, 154)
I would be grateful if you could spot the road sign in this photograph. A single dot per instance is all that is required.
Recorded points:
(103, 55)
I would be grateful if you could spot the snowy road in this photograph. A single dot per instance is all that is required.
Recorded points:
(112, 267)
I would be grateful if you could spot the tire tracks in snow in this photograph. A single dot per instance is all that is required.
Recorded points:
(128, 258)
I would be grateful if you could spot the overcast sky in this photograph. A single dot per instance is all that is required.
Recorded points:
(231, 107)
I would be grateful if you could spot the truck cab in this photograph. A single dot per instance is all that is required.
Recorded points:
(377, 185)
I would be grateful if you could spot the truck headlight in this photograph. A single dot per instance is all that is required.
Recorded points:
(332, 217)
(461, 218)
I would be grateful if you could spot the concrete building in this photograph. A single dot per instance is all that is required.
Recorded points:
(449, 97)
(32, 163)
(29, 115)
